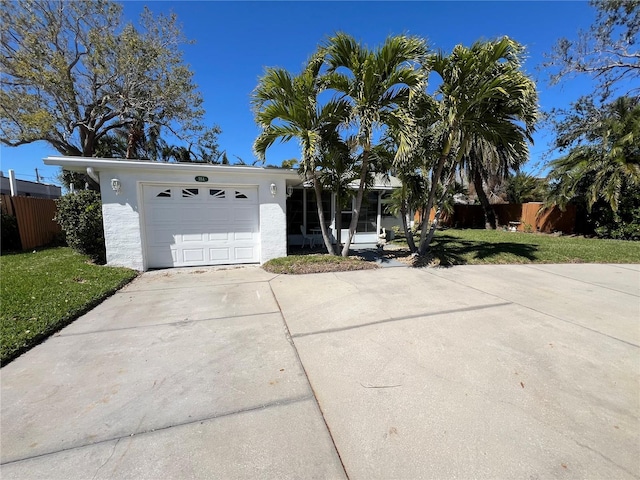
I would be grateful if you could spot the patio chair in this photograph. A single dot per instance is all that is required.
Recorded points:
(306, 237)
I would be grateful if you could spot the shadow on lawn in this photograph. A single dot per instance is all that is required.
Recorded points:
(447, 250)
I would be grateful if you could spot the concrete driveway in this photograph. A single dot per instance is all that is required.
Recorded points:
(468, 372)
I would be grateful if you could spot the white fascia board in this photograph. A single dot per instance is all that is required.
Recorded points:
(380, 184)
(80, 164)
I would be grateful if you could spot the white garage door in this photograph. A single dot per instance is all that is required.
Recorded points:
(196, 225)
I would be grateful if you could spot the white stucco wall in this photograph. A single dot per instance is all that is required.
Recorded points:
(123, 214)
(122, 223)
(273, 219)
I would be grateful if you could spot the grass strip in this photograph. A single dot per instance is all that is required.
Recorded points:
(43, 291)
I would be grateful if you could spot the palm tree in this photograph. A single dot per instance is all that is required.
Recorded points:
(483, 97)
(408, 167)
(523, 187)
(374, 83)
(338, 169)
(408, 198)
(607, 164)
(484, 160)
(287, 107)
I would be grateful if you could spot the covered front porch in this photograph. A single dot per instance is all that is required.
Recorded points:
(374, 222)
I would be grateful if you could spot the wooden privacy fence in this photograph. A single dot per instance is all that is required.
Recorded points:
(525, 216)
(35, 219)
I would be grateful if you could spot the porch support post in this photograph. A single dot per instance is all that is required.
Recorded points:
(333, 214)
(304, 207)
(379, 216)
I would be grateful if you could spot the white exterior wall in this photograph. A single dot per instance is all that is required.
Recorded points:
(123, 214)
(273, 219)
(121, 219)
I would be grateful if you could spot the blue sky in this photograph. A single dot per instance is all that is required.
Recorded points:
(235, 41)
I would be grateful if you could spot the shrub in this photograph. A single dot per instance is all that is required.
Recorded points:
(10, 235)
(523, 188)
(624, 224)
(80, 216)
(397, 231)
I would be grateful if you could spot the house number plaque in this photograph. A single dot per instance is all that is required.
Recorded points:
(201, 178)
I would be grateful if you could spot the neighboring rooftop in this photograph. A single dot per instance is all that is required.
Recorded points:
(27, 188)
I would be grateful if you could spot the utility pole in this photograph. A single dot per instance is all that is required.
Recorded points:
(37, 176)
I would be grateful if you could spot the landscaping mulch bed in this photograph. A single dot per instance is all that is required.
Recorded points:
(316, 263)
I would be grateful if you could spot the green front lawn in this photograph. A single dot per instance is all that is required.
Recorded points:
(46, 290)
(474, 247)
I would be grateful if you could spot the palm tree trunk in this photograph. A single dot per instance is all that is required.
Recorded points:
(434, 226)
(338, 221)
(323, 226)
(356, 211)
(435, 180)
(489, 212)
(439, 209)
(407, 232)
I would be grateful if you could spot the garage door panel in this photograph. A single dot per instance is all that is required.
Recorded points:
(192, 195)
(244, 253)
(192, 214)
(218, 237)
(201, 226)
(160, 192)
(246, 195)
(193, 255)
(243, 236)
(220, 254)
(244, 211)
(161, 237)
(193, 237)
(162, 214)
(243, 227)
(162, 257)
(214, 215)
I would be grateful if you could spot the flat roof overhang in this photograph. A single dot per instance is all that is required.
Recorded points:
(80, 164)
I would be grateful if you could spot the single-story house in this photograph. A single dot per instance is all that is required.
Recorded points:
(160, 215)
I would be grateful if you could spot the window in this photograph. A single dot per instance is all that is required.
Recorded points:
(295, 214)
(386, 201)
(215, 193)
(165, 193)
(189, 192)
(312, 209)
(240, 195)
(368, 218)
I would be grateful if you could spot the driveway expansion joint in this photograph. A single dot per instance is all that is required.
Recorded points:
(186, 321)
(541, 312)
(306, 376)
(581, 281)
(278, 403)
(407, 317)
